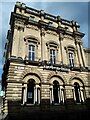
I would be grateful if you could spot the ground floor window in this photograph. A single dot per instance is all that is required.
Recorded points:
(31, 93)
(57, 95)
(78, 93)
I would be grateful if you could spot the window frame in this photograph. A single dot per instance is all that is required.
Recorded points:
(30, 51)
(36, 93)
(52, 56)
(60, 93)
(71, 58)
(81, 93)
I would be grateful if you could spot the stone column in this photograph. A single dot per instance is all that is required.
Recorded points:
(36, 52)
(82, 94)
(82, 54)
(79, 55)
(42, 43)
(62, 91)
(24, 94)
(76, 59)
(38, 95)
(51, 94)
(61, 37)
(20, 42)
(26, 50)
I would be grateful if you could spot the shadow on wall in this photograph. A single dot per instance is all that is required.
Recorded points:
(16, 111)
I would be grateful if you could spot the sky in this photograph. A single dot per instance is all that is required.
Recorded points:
(67, 9)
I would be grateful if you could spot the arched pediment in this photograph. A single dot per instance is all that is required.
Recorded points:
(31, 38)
(52, 43)
(77, 78)
(71, 47)
(56, 76)
(32, 72)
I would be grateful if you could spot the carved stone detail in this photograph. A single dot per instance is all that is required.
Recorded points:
(51, 33)
(32, 27)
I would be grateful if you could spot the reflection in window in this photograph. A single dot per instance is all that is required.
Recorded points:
(71, 59)
(52, 56)
(31, 52)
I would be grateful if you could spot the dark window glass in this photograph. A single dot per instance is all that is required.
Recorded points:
(30, 91)
(31, 52)
(56, 91)
(77, 92)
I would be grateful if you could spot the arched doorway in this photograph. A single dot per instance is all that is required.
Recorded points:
(77, 92)
(56, 91)
(30, 91)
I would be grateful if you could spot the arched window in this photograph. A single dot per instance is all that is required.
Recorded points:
(56, 91)
(31, 52)
(30, 91)
(79, 93)
(52, 56)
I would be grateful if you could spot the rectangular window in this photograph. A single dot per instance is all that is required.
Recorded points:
(71, 59)
(52, 56)
(31, 54)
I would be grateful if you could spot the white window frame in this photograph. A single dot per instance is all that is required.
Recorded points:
(71, 58)
(61, 95)
(31, 51)
(53, 56)
(36, 95)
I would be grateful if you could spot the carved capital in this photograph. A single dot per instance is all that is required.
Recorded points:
(42, 32)
(61, 36)
(20, 28)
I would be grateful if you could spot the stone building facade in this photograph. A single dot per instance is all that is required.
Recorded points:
(45, 62)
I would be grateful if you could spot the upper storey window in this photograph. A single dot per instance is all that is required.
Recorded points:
(31, 53)
(31, 48)
(32, 18)
(71, 59)
(52, 56)
(52, 47)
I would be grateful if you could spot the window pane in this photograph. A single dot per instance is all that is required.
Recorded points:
(31, 52)
(32, 48)
(52, 56)
(32, 56)
(71, 59)
(29, 55)
(50, 51)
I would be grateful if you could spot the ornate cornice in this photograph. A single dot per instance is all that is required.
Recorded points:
(78, 34)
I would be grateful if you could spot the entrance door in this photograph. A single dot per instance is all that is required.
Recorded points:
(56, 91)
(77, 92)
(30, 91)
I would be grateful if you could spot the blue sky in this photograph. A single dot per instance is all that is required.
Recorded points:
(69, 10)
